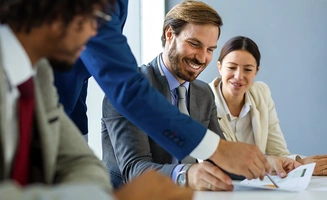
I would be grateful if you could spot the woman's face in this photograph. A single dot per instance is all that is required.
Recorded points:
(237, 70)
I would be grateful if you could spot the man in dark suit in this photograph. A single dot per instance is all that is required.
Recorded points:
(110, 61)
(190, 34)
(188, 49)
(42, 153)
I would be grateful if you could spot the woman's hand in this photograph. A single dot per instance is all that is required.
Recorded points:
(282, 165)
(321, 164)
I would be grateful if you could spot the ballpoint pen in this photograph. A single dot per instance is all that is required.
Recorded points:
(272, 180)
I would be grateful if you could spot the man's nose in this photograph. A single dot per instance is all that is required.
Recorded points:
(201, 56)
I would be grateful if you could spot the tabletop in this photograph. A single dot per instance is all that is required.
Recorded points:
(317, 189)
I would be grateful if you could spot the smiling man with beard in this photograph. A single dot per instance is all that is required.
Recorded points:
(190, 34)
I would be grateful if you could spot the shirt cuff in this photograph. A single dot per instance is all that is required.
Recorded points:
(207, 147)
(175, 172)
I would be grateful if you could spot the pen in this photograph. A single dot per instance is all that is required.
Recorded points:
(272, 180)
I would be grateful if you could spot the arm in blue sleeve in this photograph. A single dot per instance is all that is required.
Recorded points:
(72, 91)
(111, 62)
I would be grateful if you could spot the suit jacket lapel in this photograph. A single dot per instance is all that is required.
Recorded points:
(160, 81)
(194, 113)
(3, 85)
(256, 126)
(194, 105)
(48, 136)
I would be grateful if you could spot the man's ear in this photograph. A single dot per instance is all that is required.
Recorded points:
(57, 27)
(169, 33)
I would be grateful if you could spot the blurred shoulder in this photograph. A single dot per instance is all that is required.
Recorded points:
(259, 87)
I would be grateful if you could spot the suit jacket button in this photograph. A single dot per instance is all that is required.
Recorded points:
(181, 143)
(176, 139)
(171, 136)
(166, 133)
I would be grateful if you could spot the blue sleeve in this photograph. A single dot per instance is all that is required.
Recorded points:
(78, 115)
(72, 91)
(110, 61)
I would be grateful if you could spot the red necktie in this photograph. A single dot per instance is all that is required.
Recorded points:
(26, 109)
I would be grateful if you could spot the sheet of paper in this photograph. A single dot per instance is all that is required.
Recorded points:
(296, 180)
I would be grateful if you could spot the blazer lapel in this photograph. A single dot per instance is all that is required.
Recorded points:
(3, 85)
(160, 81)
(194, 106)
(48, 135)
(256, 126)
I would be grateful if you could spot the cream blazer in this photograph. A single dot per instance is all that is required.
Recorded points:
(267, 133)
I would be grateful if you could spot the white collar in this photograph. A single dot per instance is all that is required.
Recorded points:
(17, 65)
(245, 109)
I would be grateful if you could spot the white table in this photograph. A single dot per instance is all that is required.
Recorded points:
(317, 190)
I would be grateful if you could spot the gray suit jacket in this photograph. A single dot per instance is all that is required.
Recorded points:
(59, 154)
(127, 151)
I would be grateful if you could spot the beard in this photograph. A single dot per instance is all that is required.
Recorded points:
(176, 65)
(60, 65)
(66, 59)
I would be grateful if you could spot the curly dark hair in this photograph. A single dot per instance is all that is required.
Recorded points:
(23, 15)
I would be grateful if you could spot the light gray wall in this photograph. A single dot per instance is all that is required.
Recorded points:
(291, 35)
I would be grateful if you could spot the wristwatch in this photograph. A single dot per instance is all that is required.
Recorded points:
(182, 176)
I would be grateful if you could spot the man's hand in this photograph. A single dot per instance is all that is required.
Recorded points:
(321, 164)
(282, 165)
(206, 176)
(241, 159)
(152, 185)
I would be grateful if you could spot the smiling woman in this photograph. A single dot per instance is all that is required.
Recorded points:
(246, 111)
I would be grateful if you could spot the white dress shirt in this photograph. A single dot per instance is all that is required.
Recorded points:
(241, 125)
(18, 69)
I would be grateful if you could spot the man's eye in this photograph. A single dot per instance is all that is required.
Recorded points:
(193, 44)
(248, 70)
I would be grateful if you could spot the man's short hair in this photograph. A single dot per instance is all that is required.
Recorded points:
(195, 12)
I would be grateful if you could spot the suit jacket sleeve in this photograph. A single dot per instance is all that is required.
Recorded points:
(111, 62)
(132, 147)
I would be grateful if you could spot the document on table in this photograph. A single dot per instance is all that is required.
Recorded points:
(296, 180)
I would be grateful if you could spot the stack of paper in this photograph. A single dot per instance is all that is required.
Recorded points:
(296, 180)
